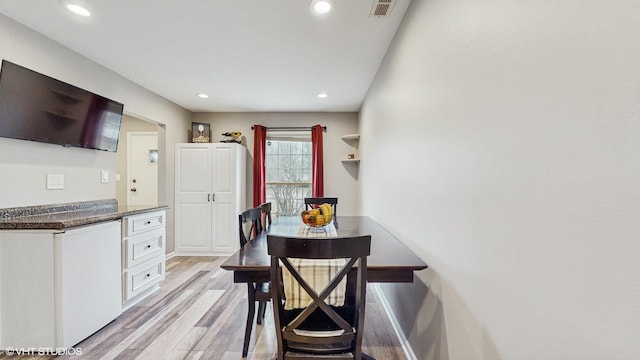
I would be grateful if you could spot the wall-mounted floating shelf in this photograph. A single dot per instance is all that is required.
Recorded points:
(351, 137)
(353, 141)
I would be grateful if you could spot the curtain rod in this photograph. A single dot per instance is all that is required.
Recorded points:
(292, 128)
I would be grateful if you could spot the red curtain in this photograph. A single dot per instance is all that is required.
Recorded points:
(259, 172)
(317, 171)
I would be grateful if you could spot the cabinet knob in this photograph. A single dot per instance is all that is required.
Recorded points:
(148, 246)
(148, 275)
(148, 222)
(134, 189)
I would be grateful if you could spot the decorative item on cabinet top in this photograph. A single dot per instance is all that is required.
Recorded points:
(232, 137)
(200, 133)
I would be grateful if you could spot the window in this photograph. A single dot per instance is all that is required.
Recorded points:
(288, 167)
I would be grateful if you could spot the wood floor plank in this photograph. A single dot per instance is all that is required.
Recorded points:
(221, 338)
(180, 328)
(128, 355)
(194, 355)
(191, 339)
(120, 347)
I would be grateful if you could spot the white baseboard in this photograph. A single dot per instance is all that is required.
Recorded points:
(406, 347)
(169, 255)
(196, 253)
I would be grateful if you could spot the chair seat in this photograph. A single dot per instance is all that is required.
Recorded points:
(318, 349)
(318, 320)
(321, 333)
(290, 355)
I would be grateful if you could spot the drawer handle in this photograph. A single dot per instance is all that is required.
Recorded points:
(148, 222)
(149, 246)
(148, 275)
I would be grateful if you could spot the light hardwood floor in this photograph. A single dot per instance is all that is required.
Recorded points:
(199, 313)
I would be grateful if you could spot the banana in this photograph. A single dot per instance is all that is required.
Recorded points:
(326, 210)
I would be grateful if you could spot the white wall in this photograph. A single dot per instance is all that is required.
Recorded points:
(340, 179)
(501, 142)
(25, 164)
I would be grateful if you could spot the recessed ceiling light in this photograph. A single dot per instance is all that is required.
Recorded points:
(203, 96)
(323, 95)
(321, 7)
(78, 10)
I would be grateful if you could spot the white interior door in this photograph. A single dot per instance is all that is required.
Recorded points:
(142, 168)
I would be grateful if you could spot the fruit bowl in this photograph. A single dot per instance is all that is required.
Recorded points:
(318, 217)
(317, 221)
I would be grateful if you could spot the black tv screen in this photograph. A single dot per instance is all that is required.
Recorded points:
(40, 108)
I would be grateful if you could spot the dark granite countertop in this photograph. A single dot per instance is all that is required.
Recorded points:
(69, 215)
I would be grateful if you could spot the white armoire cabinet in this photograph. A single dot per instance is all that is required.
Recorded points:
(210, 193)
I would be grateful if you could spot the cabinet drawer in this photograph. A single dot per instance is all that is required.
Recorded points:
(142, 278)
(144, 222)
(140, 248)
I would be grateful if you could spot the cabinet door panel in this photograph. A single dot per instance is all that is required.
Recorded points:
(89, 289)
(193, 170)
(225, 237)
(223, 170)
(193, 226)
(193, 197)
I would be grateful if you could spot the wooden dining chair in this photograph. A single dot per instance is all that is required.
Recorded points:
(266, 215)
(251, 226)
(310, 202)
(321, 328)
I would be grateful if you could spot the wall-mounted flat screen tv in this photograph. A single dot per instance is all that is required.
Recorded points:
(40, 108)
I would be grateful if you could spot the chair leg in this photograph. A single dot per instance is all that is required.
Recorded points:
(251, 299)
(262, 305)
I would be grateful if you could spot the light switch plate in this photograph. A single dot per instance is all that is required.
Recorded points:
(104, 176)
(55, 181)
(117, 177)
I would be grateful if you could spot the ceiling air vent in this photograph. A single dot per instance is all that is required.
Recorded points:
(381, 8)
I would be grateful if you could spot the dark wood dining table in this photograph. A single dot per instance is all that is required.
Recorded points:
(390, 260)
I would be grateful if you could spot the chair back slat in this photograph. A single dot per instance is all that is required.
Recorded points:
(266, 215)
(319, 248)
(246, 232)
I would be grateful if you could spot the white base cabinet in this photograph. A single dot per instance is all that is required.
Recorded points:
(210, 193)
(143, 258)
(57, 288)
